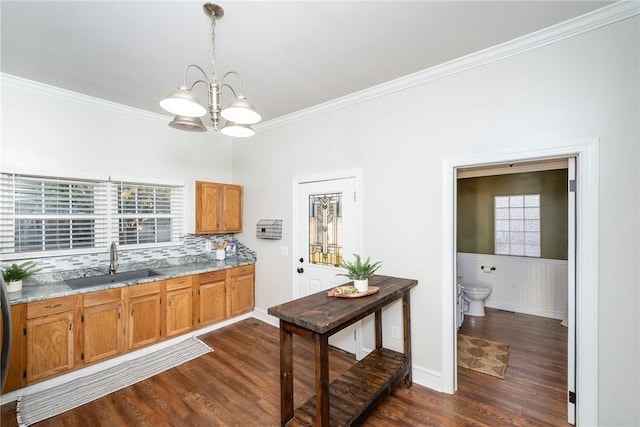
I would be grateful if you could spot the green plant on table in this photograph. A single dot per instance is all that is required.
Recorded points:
(359, 270)
(16, 272)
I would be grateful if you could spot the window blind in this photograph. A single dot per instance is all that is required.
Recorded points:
(49, 214)
(146, 213)
(46, 216)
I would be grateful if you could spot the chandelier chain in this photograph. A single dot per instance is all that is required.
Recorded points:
(214, 73)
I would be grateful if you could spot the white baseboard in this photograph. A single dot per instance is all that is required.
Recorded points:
(535, 311)
(427, 378)
(261, 314)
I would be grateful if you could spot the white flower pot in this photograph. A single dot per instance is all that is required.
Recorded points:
(361, 285)
(220, 254)
(14, 286)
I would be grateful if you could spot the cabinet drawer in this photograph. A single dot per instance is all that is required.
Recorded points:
(145, 289)
(179, 283)
(242, 271)
(50, 306)
(213, 276)
(101, 297)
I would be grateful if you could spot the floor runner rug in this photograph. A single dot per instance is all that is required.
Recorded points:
(43, 404)
(486, 356)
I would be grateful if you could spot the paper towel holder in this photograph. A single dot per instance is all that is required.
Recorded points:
(483, 268)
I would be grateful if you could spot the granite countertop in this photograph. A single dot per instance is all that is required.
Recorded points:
(53, 285)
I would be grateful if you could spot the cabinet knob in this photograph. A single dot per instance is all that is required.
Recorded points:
(300, 270)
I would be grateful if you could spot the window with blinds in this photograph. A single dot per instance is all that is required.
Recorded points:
(147, 213)
(54, 216)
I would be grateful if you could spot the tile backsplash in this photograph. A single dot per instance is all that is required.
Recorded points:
(194, 246)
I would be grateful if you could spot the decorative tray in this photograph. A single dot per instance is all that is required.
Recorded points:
(350, 292)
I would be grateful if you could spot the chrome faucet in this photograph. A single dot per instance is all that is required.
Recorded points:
(113, 258)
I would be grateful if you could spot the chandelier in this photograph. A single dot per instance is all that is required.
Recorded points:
(239, 114)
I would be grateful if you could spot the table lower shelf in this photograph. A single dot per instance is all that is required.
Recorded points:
(357, 392)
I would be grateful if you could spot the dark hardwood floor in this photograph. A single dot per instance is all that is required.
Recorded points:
(238, 384)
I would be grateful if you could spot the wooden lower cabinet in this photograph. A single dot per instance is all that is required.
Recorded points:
(102, 330)
(144, 325)
(17, 376)
(50, 338)
(179, 306)
(241, 290)
(211, 301)
(57, 335)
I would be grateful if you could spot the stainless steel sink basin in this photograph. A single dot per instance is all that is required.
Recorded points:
(104, 279)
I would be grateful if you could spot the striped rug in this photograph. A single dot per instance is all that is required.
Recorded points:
(43, 404)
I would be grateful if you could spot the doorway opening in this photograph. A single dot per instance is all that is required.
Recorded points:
(586, 250)
(513, 226)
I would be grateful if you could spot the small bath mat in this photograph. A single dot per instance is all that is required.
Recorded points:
(482, 355)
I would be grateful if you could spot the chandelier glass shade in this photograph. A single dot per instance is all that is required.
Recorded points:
(240, 113)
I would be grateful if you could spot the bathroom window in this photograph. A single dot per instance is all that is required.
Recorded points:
(47, 216)
(517, 225)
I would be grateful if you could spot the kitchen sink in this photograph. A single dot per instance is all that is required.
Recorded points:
(104, 279)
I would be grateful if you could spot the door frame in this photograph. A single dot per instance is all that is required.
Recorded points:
(586, 154)
(359, 216)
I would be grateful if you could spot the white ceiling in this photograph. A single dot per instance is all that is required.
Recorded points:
(291, 54)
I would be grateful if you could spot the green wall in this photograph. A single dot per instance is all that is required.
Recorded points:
(475, 209)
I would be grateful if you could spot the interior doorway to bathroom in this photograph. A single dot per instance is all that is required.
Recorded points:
(514, 235)
(586, 251)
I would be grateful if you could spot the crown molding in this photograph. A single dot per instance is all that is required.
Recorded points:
(575, 26)
(581, 24)
(9, 80)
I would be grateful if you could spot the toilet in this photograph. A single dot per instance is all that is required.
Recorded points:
(474, 296)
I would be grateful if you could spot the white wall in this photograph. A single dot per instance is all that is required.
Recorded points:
(49, 130)
(534, 286)
(583, 87)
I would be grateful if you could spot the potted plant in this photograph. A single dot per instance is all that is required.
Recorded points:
(360, 271)
(16, 273)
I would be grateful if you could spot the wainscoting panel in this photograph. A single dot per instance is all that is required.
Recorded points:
(524, 285)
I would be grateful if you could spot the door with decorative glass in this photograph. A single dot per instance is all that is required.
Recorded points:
(327, 233)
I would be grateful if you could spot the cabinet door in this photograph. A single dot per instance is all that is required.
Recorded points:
(241, 294)
(102, 331)
(179, 316)
(144, 321)
(212, 303)
(50, 348)
(208, 213)
(232, 208)
(17, 361)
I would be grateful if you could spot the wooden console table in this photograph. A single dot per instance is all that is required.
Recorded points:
(349, 399)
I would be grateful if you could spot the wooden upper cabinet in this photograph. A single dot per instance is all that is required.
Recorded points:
(232, 208)
(218, 208)
(208, 204)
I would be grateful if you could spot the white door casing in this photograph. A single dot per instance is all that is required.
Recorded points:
(571, 291)
(586, 260)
